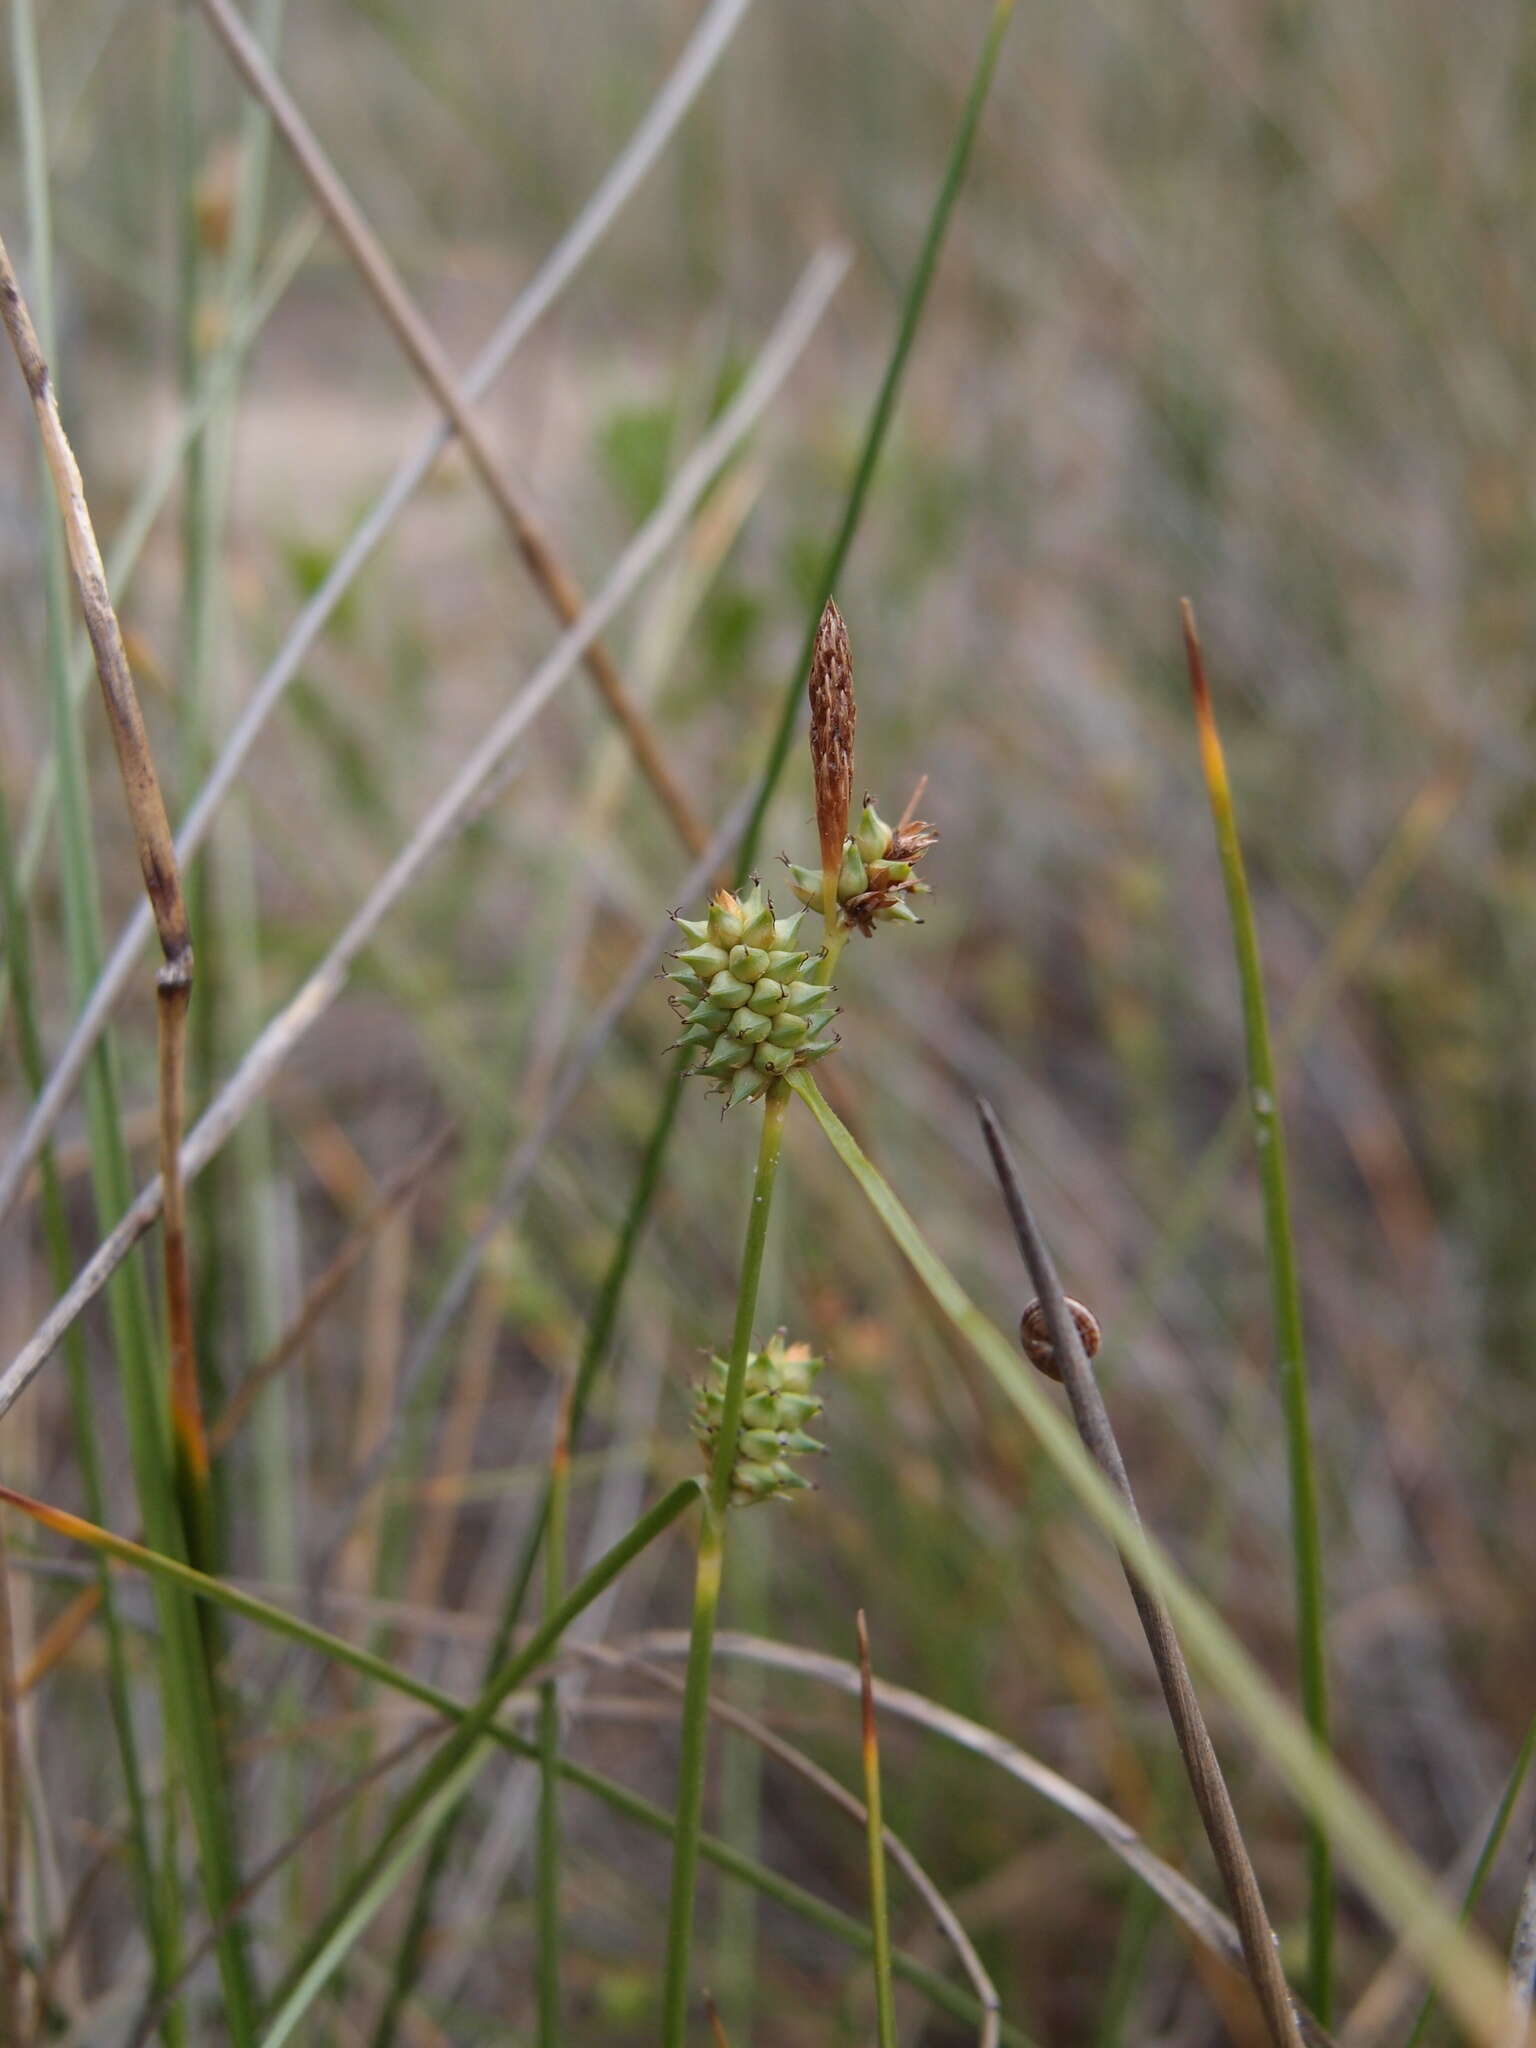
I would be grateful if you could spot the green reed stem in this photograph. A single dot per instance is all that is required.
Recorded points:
(192, 1750)
(1490, 1849)
(1470, 1975)
(594, 1350)
(446, 1777)
(547, 1899)
(1285, 1292)
(879, 1906)
(913, 304)
(87, 1449)
(950, 1998)
(708, 1578)
(616, 1277)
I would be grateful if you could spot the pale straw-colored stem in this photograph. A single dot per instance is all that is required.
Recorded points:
(554, 581)
(623, 178)
(276, 1043)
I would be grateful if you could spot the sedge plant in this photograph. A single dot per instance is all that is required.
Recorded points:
(756, 1011)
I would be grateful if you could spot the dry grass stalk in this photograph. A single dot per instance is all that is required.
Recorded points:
(284, 1031)
(694, 65)
(834, 716)
(1195, 1746)
(1522, 1960)
(65, 1630)
(559, 588)
(152, 839)
(11, 2001)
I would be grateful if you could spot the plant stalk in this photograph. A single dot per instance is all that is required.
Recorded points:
(708, 1578)
(1290, 1347)
(879, 1907)
(547, 1903)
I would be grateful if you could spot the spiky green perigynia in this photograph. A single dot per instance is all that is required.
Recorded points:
(875, 884)
(778, 1404)
(744, 1004)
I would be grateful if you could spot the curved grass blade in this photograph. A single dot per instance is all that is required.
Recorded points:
(437, 1791)
(1285, 1289)
(1492, 1842)
(1460, 1963)
(644, 1812)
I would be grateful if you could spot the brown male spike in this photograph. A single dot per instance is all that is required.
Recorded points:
(834, 714)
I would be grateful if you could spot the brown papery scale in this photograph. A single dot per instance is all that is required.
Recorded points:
(1035, 1336)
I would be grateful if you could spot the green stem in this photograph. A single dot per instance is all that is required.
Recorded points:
(826, 967)
(615, 1279)
(599, 1332)
(440, 1786)
(950, 1998)
(1285, 1295)
(548, 1893)
(62, 1262)
(879, 1905)
(1470, 1976)
(913, 303)
(709, 1575)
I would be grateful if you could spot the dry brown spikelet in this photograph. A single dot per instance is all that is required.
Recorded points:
(834, 714)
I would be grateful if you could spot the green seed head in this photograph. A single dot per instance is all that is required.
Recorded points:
(743, 1010)
(875, 882)
(778, 1403)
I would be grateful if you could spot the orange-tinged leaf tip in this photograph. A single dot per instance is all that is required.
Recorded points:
(1212, 759)
(58, 1519)
(866, 1685)
(1194, 658)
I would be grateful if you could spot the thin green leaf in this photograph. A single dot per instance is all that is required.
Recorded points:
(1464, 1966)
(1285, 1291)
(948, 1997)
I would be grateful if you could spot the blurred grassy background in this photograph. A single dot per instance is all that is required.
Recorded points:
(1238, 303)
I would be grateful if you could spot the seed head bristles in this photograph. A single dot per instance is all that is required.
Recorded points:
(834, 716)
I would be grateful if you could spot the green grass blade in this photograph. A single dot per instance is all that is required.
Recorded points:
(950, 1998)
(874, 1828)
(594, 1351)
(547, 1897)
(187, 1692)
(1285, 1289)
(1492, 1842)
(438, 1787)
(913, 305)
(616, 1277)
(1469, 1974)
(87, 1450)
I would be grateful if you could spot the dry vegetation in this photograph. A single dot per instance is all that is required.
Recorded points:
(1236, 300)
